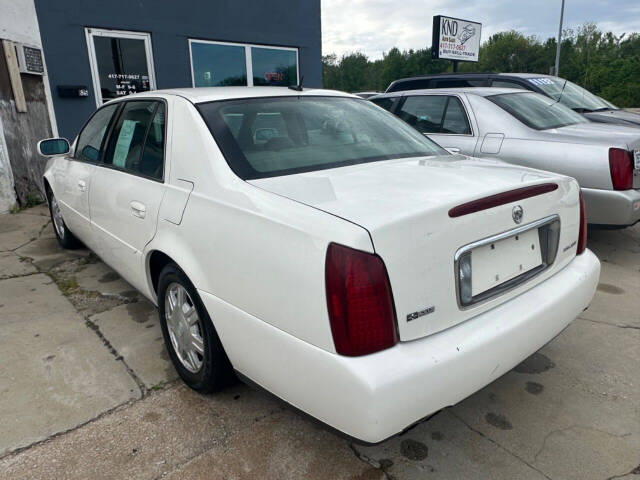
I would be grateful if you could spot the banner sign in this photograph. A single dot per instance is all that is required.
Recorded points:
(455, 39)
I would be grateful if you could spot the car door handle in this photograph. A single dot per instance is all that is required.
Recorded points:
(82, 185)
(138, 209)
(452, 149)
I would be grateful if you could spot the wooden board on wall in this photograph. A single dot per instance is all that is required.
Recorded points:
(14, 75)
(23, 130)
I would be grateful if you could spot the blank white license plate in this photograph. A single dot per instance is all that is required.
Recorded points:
(495, 263)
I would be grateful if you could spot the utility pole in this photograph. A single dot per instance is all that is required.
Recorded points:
(557, 68)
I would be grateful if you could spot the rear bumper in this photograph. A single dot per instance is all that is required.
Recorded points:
(374, 397)
(612, 207)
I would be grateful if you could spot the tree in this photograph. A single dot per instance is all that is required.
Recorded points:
(603, 63)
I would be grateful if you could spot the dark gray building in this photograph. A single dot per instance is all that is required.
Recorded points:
(98, 50)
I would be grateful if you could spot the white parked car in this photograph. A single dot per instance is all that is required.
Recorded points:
(322, 248)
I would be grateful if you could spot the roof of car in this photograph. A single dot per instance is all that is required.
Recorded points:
(210, 94)
(526, 75)
(480, 91)
(471, 75)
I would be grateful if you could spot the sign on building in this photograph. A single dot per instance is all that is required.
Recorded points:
(455, 39)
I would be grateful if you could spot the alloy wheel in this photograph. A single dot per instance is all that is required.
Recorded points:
(58, 222)
(184, 327)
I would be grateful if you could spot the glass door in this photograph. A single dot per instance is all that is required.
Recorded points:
(121, 63)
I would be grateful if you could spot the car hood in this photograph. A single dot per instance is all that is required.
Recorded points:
(623, 117)
(384, 192)
(614, 135)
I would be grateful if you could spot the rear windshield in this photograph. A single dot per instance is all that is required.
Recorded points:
(537, 111)
(571, 95)
(267, 137)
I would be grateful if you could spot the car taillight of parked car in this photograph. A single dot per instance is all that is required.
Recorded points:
(621, 167)
(359, 301)
(582, 235)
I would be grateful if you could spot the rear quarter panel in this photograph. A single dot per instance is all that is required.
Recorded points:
(587, 163)
(254, 250)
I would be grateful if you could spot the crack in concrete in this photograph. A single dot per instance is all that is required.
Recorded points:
(501, 447)
(96, 329)
(225, 449)
(144, 392)
(369, 461)
(546, 437)
(632, 327)
(31, 240)
(50, 438)
(633, 471)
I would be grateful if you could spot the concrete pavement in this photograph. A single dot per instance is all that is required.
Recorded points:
(87, 390)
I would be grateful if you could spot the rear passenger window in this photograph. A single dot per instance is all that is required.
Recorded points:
(90, 141)
(152, 162)
(455, 118)
(424, 113)
(137, 142)
(435, 114)
(386, 103)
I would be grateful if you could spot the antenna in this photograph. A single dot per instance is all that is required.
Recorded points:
(297, 88)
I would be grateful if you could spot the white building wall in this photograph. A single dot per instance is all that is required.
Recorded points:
(18, 23)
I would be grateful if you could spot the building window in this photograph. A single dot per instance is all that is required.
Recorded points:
(273, 66)
(121, 63)
(218, 64)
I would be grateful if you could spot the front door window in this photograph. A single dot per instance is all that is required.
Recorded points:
(120, 63)
(90, 143)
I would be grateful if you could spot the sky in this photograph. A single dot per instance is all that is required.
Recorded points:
(375, 26)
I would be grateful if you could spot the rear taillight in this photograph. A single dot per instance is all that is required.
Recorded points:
(359, 301)
(582, 235)
(621, 167)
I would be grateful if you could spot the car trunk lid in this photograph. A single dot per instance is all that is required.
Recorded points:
(405, 205)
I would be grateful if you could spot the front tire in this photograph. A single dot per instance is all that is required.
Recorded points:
(189, 335)
(66, 239)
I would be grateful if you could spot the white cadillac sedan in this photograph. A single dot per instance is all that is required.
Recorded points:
(323, 249)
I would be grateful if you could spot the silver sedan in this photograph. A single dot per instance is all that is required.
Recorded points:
(532, 130)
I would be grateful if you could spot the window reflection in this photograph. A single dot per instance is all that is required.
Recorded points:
(221, 64)
(216, 65)
(122, 66)
(274, 66)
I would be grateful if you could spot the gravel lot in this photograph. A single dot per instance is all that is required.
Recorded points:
(87, 390)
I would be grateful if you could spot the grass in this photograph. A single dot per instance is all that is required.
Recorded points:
(30, 202)
(68, 285)
(158, 386)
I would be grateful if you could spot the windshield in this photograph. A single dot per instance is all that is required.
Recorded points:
(267, 137)
(573, 96)
(537, 111)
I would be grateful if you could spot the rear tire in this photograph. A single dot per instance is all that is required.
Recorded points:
(189, 335)
(65, 238)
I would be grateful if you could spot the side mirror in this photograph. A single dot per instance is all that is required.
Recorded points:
(53, 146)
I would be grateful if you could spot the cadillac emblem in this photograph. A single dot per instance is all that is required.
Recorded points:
(517, 213)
